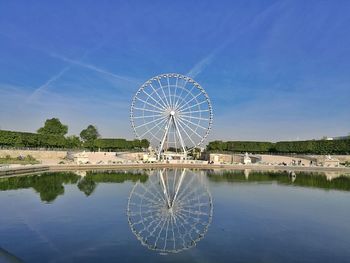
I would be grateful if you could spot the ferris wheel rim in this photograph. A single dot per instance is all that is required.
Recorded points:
(185, 123)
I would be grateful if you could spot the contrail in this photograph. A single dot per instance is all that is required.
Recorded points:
(94, 68)
(42, 88)
(202, 64)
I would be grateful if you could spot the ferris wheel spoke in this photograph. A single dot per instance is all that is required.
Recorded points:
(188, 136)
(195, 111)
(144, 124)
(158, 125)
(164, 105)
(175, 90)
(193, 123)
(188, 102)
(149, 104)
(195, 105)
(144, 109)
(165, 97)
(193, 131)
(193, 117)
(148, 116)
(182, 89)
(161, 105)
(188, 93)
(170, 102)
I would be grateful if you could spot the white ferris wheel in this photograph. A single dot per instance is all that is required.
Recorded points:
(173, 112)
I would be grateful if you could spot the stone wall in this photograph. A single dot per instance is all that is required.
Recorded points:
(39, 155)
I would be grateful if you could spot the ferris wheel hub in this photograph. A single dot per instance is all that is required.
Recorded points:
(172, 113)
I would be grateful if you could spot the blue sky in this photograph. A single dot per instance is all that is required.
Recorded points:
(274, 70)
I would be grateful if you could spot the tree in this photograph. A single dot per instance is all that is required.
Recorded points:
(144, 143)
(89, 134)
(73, 142)
(53, 127)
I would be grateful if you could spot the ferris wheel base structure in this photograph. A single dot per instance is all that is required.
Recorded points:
(174, 113)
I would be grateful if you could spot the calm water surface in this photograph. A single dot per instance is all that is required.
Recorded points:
(203, 216)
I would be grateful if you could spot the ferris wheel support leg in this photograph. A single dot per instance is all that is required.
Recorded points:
(180, 137)
(164, 138)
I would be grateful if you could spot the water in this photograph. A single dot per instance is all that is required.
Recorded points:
(216, 216)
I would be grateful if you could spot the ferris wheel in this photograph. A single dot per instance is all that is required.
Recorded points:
(170, 212)
(173, 112)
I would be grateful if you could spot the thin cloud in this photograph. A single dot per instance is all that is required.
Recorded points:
(206, 61)
(40, 90)
(37, 92)
(201, 65)
(94, 68)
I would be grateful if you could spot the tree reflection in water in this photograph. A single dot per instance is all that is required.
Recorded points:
(328, 180)
(51, 185)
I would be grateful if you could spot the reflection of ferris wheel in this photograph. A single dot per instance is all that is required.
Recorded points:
(171, 212)
(173, 112)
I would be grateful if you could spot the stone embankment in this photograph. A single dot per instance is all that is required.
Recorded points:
(45, 157)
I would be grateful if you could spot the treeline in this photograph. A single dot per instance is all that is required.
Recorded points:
(32, 140)
(36, 140)
(116, 144)
(53, 135)
(304, 147)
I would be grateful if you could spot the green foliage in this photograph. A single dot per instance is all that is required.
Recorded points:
(144, 143)
(240, 146)
(315, 147)
(73, 142)
(89, 134)
(53, 127)
(118, 144)
(26, 139)
(311, 146)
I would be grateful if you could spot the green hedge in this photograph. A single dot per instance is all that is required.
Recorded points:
(240, 146)
(26, 139)
(118, 144)
(35, 140)
(311, 146)
(317, 147)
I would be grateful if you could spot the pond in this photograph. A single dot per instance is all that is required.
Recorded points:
(175, 215)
